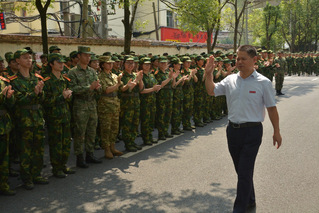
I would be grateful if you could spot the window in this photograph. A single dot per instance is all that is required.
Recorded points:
(169, 18)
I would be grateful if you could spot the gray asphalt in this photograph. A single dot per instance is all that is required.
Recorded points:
(194, 172)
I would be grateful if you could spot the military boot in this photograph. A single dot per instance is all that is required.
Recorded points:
(80, 161)
(115, 151)
(107, 152)
(90, 158)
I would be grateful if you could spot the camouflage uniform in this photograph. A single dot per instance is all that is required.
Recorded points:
(177, 110)
(164, 103)
(199, 97)
(130, 112)
(58, 119)
(108, 110)
(188, 100)
(5, 128)
(300, 66)
(280, 73)
(28, 116)
(148, 101)
(84, 108)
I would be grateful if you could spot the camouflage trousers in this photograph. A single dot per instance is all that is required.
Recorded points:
(163, 114)
(31, 152)
(147, 118)
(85, 123)
(109, 128)
(207, 108)
(199, 106)
(279, 81)
(130, 119)
(59, 143)
(188, 105)
(177, 113)
(4, 162)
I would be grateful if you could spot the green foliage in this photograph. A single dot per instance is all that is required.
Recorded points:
(29, 6)
(195, 16)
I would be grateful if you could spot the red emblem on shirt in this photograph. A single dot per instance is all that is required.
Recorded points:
(252, 91)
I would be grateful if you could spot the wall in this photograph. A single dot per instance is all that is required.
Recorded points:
(98, 46)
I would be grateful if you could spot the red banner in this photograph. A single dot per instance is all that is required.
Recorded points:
(2, 22)
(172, 34)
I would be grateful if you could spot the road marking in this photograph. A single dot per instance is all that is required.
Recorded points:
(314, 79)
(293, 88)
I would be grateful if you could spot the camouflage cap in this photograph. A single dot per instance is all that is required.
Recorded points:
(107, 53)
(105, 59)
(132, 53)
(128, 58)
(259, 50)
(21, 52)
(44, 56)
(227, 61)
(186, 58)
(145, 60)
(52, 48)
(264, 51)
(136, 59)
(270, 52)
(199, 58)
(55, 57)
(73, 54)
(229, 53)
(176, 61)
(85, 49)
(94, 57)
(154, 58)
(66, 58)
(115, 58)
(9, 56)
(218, 59)
(163, 59)
(218, 52)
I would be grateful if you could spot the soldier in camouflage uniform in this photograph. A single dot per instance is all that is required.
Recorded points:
(300, 65)
(177, 111)
(6, 101)
(109, 107)
(116, 65)
(164, 99)
(199, 92)
(58, 116)
(130, 104)
(28, 115)
(85, 86)
(148, 100)
(188, 92)
(281, 68)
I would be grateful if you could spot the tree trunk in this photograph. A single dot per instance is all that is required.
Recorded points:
(43, 15)
(216, 34)
(209, 39)
(85, 18)
(127, 28)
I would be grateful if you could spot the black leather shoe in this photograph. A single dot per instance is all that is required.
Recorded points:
(68, 171)
(80, 162)
(7, 192)
(163, 138)
(90, 158)
(138, 147)
(130, 148)
(188, 128)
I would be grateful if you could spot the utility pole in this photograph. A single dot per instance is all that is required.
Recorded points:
(155, 22)
(85, 18)
(246, 39)
(104, 13)
(66, 17)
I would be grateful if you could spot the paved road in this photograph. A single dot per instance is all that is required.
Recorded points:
(194, 172)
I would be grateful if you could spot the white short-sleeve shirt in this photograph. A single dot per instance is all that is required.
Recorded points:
(246, 98)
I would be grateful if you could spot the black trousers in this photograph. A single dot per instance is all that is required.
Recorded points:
(243, 145)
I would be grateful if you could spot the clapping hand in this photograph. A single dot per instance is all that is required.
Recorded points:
(131, 84)
(67, 93)
(156, 88)
(7, 91)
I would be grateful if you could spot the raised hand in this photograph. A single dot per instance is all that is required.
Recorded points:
(67, 93)
(210, 66)
(131, 84)
(119, 78)
(139, 76)
(4, 91)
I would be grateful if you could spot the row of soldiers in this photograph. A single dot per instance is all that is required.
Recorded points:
(109, 94)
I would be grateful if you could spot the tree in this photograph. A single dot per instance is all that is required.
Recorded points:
(199, 15)
(128, 22)
(43, 16)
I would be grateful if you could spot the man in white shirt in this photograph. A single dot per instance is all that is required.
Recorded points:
(248, 93)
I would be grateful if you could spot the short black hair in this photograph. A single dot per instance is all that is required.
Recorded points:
(250, 50)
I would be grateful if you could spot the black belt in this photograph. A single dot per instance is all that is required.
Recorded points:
(243, 125)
